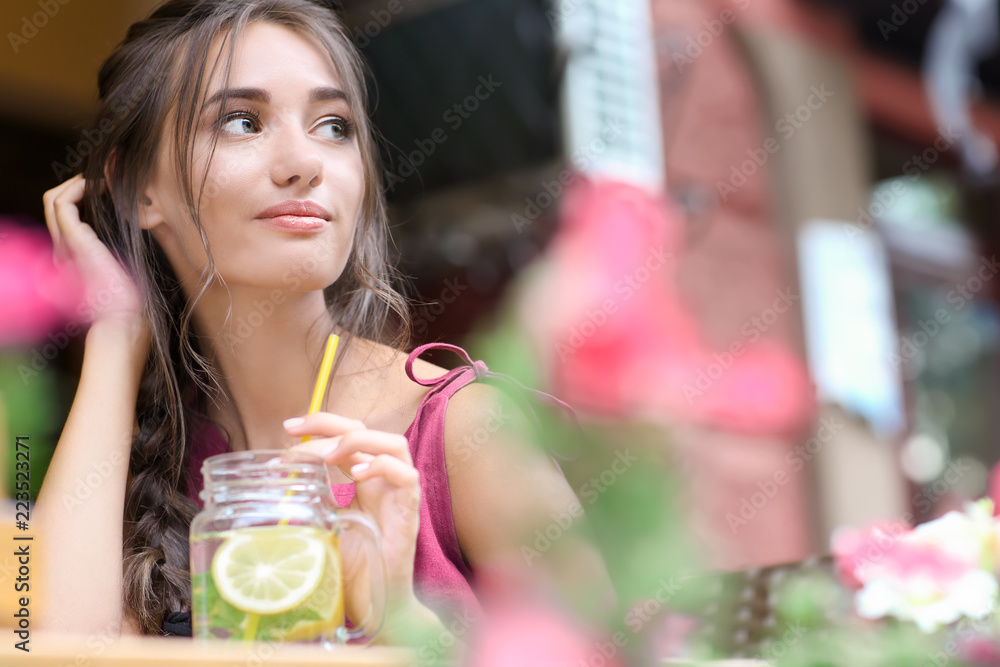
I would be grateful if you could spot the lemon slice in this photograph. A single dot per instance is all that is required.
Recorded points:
(327, 601)
(269, 570)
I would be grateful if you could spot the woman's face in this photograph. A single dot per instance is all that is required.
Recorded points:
(285, 138)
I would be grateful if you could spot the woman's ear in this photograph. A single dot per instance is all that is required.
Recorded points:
(150, 215)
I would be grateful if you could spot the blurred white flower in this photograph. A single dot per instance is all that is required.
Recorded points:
(928, 602)
(932, 575)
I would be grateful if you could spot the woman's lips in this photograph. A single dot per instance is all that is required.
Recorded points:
(295, 223)
(295, 216)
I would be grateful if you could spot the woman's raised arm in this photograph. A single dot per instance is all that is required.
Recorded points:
(79, 511)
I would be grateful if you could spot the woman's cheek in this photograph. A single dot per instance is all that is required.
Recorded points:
(225, 179)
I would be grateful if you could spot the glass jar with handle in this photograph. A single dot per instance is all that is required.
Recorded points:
(271, 554)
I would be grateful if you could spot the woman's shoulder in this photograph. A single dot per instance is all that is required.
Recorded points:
(388, 364)
(471, 404)
(380, 380)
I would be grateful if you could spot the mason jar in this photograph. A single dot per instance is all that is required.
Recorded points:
(271, 554)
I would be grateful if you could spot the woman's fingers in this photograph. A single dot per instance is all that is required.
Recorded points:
(48, 202)
(393, 470)
(371, 442)
(347, 447)
(322, 423)
(342, 436)
(358, 451)
(62, 215)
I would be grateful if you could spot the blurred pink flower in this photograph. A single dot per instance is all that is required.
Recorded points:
(980, 651)
(932, 575)
(620, 341)
(526, 636)
(35, 295)
(524, 627)
(928, 586)
(855, 551)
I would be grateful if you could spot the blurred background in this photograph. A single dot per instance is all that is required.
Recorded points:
(831, 181)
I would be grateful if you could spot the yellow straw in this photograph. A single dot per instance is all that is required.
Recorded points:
(319, 391)
(324, 376)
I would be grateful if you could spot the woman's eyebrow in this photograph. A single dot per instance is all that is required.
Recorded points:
(320, 94)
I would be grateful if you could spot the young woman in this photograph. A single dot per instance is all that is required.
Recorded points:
(228, 218)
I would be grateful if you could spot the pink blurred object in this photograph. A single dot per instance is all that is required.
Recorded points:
(891, 550)
(994, 489)
(980, 651)
(934, 574)
(35, 295)
(623, 341)
(527, 636)
(523, 626)
(855, 550)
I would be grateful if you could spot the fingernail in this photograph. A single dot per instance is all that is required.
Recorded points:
(360, 467)
(329, 449)
(293, 422)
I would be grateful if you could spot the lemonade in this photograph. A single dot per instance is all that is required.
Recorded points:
(280, 583)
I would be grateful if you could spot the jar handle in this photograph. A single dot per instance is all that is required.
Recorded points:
(372, 623)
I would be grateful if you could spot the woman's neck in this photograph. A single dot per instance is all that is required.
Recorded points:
(267, 352)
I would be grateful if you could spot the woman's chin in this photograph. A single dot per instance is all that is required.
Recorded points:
(279, 287)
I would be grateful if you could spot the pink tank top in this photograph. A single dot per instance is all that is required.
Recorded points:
(443, 578)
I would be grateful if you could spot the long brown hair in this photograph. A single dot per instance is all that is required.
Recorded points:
(162, 64)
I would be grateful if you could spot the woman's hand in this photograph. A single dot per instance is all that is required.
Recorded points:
(110, 293)
(387, 489)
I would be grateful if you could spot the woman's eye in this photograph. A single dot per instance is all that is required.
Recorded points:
(339, 128)
(239, 124)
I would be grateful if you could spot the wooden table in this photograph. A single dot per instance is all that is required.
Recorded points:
(62, 651)
(66, 651)
(51, 650)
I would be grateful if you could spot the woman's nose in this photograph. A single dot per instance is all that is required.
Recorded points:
(296, 158)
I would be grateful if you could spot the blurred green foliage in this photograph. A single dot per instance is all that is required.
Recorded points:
(32, 409)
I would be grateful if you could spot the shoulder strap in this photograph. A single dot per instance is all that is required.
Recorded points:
(475, 370)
